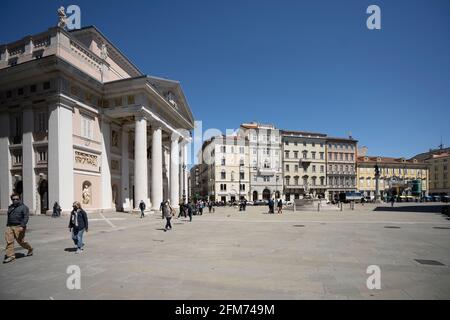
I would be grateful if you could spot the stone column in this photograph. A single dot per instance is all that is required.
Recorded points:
(125, 178)
(174, 172)
(140, 163)
(185, 172)
(5, 162)
(157, 173)
(106, 166)
(28, 160)
(60, 156)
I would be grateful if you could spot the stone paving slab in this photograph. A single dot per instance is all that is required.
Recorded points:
(234, 255)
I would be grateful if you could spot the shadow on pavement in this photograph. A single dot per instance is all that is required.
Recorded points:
(70, 249)
(431, 209)
(20, 255)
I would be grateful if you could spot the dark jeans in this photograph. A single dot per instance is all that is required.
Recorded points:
(142, 213)
(77, 237)
(168, 225)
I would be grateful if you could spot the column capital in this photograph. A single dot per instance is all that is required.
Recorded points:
(175, 137)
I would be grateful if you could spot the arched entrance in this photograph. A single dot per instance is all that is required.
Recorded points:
(266, 194)
(255, 195)
(43, 195)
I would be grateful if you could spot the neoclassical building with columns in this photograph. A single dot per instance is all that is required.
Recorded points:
(80, 122)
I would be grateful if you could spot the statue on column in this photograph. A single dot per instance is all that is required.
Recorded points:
(62, 17)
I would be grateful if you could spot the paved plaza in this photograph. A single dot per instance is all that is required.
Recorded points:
(233, 255)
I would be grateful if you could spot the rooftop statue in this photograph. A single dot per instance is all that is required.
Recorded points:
(62, 17)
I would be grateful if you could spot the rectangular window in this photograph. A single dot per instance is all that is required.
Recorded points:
(242, 175)
(118, 101)
(313, 155)
(223, 162)
(223, 149)
(223, 175)
(296, 168)
(130, 100)
(296, 154)
(287, 167)
(322, 169)
(313, 168)
(241, 150)
(287, 154)
(87, 126)
(321, 155)
(42, 122)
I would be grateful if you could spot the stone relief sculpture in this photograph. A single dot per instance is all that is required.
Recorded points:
(86, 194)
(62, 17)
(84, 158)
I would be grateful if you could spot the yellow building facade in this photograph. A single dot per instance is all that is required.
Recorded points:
(398, 176)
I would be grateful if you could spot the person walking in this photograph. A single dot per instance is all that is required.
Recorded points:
(271, 204)
(190, 209)
(142, 208)
(78, 224)
(16, 225)
(210, 206)
(168, 214)
(280, 206)
(161, 209)
(200, 207)
(392, 201)
(56, 210)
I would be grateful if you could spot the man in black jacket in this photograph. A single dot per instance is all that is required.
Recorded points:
(16, 226)
(77, 225)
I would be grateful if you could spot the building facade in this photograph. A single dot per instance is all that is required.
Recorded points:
(226, 159)
(439, 162)
(398, 176)
(304, 164)
(341, 155)
(80, 122)
(266, 172)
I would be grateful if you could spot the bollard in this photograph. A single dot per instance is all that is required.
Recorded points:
(341, 206)
(318, 207)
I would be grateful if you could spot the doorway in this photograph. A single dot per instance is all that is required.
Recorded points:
(43, 194)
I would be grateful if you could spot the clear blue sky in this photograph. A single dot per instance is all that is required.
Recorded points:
(302, 65)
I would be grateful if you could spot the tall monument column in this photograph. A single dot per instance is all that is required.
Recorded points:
(157, 172)
(140, 162)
